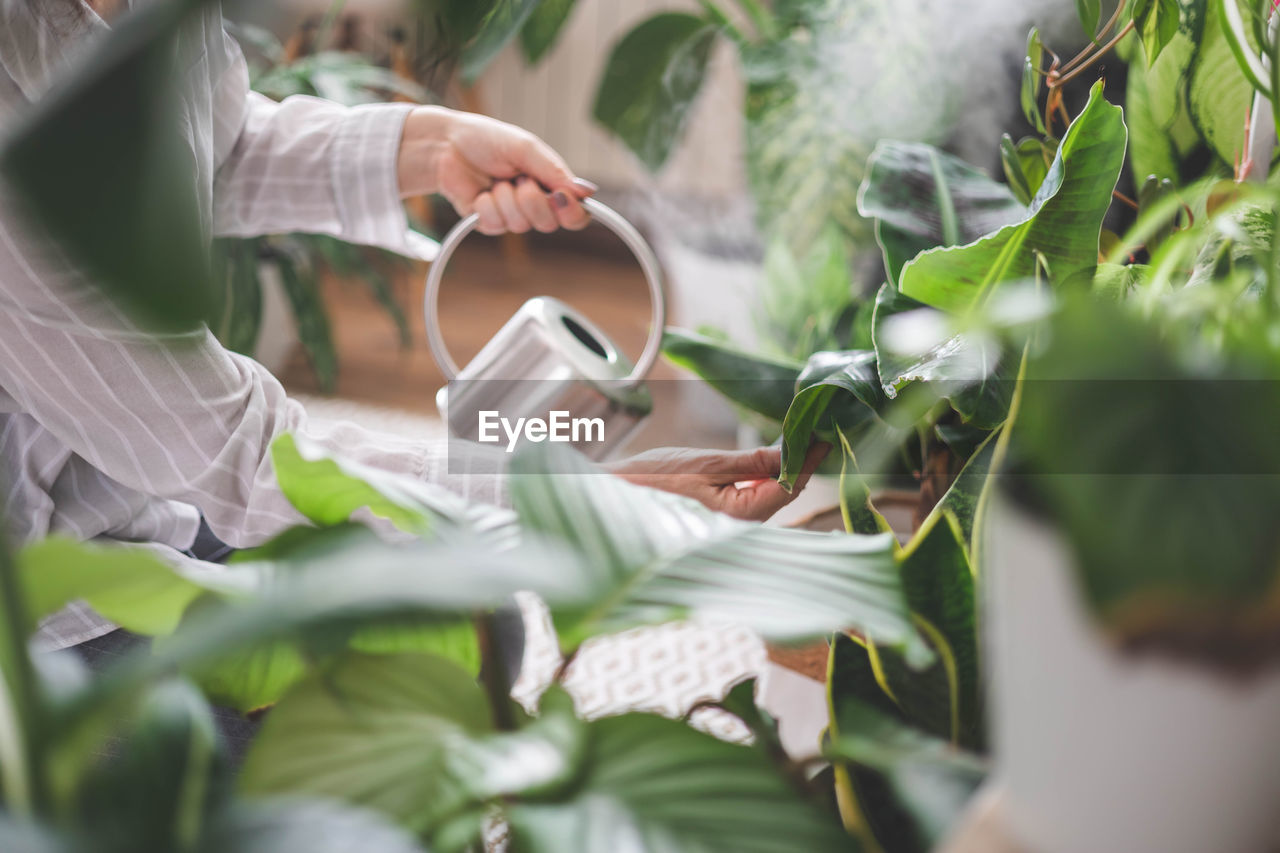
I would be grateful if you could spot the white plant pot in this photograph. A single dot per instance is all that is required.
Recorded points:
(1096, 750)
(278, 332)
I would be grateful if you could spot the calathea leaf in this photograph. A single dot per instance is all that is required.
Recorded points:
(1061, 226)
(921, 197)
(762, 384)
(674, 558)
(650, 83)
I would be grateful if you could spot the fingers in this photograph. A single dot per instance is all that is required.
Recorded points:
(812, 460)
(504, 197)
(519, 206)
(761, 500)
(535, 205)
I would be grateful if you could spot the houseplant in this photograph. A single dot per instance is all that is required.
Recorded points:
(293, 265)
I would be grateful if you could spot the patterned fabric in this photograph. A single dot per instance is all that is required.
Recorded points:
(109, 433)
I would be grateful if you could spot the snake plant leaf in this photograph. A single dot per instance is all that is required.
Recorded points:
(939, 581)
(673, 558)
(238, 317)
(302, 288)
(1062, 224)
(856, 510)
(656, 784)
(1218, 93)
(125, 206)
(763, 384)
(963, 499)
(504, 20)
(921, 197)
(542, 29)
(836, 390)
(913, 787)
(651, 81)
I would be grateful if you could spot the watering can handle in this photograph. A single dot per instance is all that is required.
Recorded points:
(605, 216)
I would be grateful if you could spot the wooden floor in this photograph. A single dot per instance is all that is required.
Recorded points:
(486, 282)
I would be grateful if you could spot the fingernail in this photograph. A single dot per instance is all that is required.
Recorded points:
(586, 186)
(559, 199)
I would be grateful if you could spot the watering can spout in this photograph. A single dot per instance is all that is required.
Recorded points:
(549, 374)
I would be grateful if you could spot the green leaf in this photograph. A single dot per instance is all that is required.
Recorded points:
(22, 740)
(914, 344)
(1089, 12)
(836, 390)
(651, 80)
(856, 509)
(655, 784)
(1062, 225)
(676, 558)
(321, 826)
(762, 384)
(1243, 48)
(962, 500)
(504, 20)
(808, 306)
(126, 584)
(150, 254)
(1157, 23)
(921, 197)
(375, 731)
(924, 784)
(161, 792)
(302, 288)
(540, 31)
(327, 491)
(1218, 94)
(239, 315)
(939, 582)
(1030, 106)
(1163, 509)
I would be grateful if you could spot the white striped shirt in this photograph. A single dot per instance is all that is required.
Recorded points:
(110, 432)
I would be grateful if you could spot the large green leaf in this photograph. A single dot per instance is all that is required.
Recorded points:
(651, 81)
(762, 384)
(1218, 94)
(149, 253)
(22, 739)
(320, 826)
(1168, 508)
(1062, 225)
(655, 784)
(914, 787)
(127, 584)
(921, 197)
(375, 731)
(657, 557)
(836, 390)
(540, 31)
(505, 19)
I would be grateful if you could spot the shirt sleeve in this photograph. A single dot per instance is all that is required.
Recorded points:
(305, 164)
(178, 417)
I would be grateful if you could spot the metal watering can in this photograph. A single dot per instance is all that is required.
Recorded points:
(549, 374)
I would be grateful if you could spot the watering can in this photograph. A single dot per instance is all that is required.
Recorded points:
(549, 374)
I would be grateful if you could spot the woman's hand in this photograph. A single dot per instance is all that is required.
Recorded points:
(508, 176)
(740, 483)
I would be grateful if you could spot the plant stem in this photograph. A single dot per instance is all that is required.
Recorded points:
(717, 14)
(493, 673)
(1095, 42)
(21, 768)
(1124, 199)
(1055, 81)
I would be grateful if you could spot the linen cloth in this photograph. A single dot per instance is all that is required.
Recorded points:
(110, 433)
